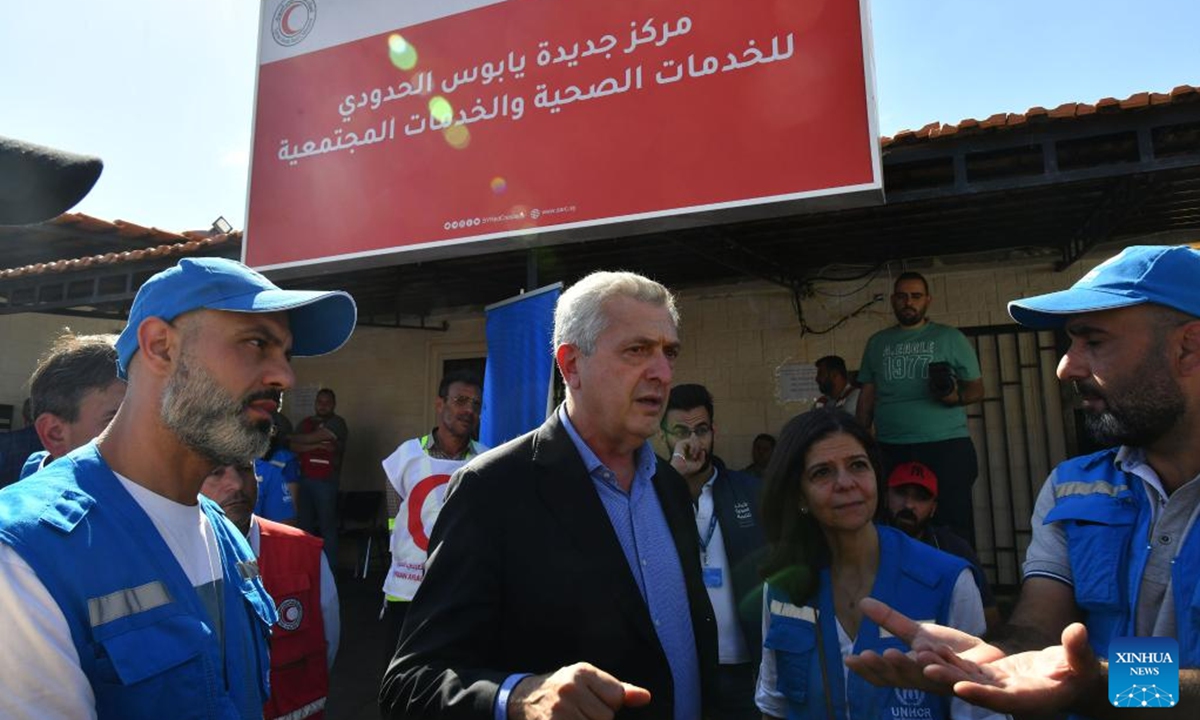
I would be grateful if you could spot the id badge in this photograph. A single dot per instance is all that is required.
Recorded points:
(713, 577)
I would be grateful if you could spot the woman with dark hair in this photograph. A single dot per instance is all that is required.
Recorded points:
(820, 507)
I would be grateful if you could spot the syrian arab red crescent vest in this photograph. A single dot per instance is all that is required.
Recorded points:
(290, 563)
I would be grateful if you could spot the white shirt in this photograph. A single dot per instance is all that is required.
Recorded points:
(39, 665)
(731, 645)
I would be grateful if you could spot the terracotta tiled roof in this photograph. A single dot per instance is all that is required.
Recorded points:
(122, 228)
(1066, 111)
(170, 245)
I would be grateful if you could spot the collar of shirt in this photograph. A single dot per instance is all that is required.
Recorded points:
(706, 490)
(1133, 460)
(254, 538)
(644, 461)
(430, 445)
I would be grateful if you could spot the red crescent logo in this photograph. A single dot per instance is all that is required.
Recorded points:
(416, 501)
(285, 22)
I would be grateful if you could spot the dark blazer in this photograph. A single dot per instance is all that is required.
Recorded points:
(526, 575)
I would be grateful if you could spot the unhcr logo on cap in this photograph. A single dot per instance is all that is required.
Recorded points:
(293, 21)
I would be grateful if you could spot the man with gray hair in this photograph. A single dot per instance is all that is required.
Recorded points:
(563, 576)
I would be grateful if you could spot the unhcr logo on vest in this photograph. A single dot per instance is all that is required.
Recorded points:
(1143, 672)
(910, 705)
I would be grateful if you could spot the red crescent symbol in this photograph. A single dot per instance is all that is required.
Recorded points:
(416, 501)
(285, 21)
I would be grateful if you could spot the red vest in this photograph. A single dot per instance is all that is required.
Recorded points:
(290, 563)
(315, 464)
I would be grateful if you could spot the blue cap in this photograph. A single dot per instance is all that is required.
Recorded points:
(321, 321)
(1160, 274)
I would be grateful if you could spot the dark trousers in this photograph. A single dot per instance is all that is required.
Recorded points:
(316, 514)
(393, 620)
(735, 693)
(954, 463)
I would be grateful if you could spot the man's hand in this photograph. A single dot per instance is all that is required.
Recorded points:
(932, 646)
(576, 691)
(1040, 681)
(688, 457)
(947, 661)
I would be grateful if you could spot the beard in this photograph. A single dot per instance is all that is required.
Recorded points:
(208, 420)
(1136, 413)
(910, 316)
(906, 520)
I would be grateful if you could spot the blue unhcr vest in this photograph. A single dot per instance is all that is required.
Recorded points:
(914, 578)
(275, 501)
(33, 463)
(144, 639)
(1106, 516)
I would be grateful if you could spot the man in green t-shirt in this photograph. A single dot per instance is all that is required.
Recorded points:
(916, 378)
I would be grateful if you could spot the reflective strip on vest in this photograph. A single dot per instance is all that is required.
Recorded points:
(806, 613)
(129, 601)
(884, 634)
(308, 710)
(1096, 487)
(248, 569)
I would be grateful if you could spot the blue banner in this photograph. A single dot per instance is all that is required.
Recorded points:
(520, 365)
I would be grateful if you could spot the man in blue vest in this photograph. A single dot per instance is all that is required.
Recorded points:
(123, 594)
(1115, 551)
(726, 505)
(75, 392)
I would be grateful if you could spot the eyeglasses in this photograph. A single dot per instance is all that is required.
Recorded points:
(683, 432)
(464, 401)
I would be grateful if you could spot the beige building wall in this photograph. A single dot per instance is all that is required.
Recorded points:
(24, 339)
(386, 380)
(735, 338)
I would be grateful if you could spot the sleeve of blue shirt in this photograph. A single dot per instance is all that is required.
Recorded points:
(500, 711)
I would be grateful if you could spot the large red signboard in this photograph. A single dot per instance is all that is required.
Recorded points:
(385, 127)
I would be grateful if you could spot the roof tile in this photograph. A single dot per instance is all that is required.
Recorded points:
(1066, 111)
(167, 250)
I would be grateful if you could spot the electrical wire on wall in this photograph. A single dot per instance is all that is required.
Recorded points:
(807, 289)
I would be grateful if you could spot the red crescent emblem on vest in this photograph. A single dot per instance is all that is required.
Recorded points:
(416, 502)
(291, 613)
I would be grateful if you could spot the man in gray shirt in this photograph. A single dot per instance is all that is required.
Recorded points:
(1114, 552)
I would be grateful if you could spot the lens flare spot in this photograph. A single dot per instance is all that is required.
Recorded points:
(521, 217)
(499, 185)
(402, 54)
(457, 136)
(440, 109)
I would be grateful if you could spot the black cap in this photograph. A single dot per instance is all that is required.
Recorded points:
(38, 183)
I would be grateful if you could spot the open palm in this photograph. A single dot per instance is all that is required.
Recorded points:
(1025, 682)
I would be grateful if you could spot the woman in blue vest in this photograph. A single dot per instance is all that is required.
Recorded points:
(820, 511)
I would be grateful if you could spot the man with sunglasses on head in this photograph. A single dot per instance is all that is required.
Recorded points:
(418, 471)
(726, 505)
